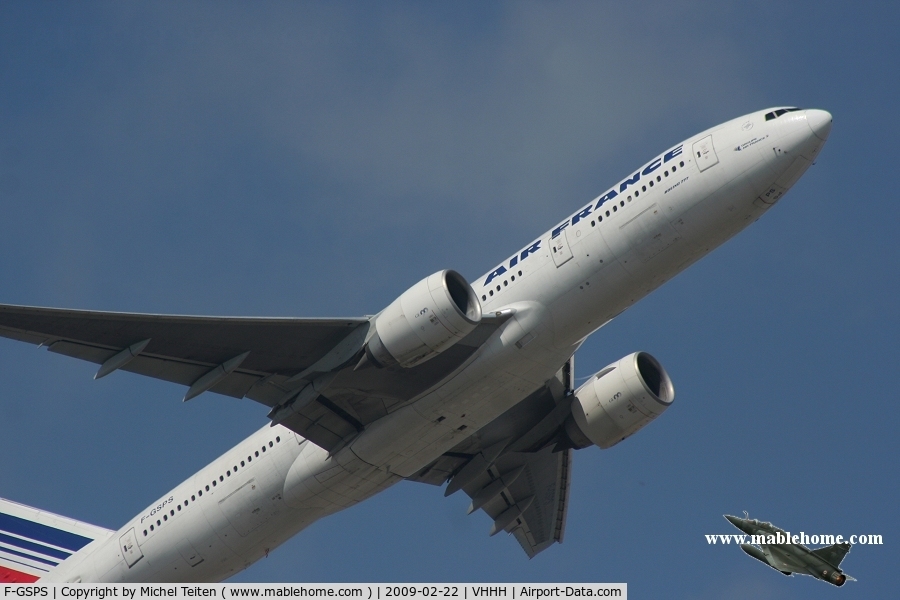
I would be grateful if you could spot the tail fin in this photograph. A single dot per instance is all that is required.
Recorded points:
(833, 554)
(33, 542)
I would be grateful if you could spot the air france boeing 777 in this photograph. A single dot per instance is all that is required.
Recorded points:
(469, 385)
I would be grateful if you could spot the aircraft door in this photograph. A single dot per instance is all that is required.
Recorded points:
(560, 249)
(705, 153)
(131, 552)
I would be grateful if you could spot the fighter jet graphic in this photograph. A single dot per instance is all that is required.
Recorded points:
(789, 558)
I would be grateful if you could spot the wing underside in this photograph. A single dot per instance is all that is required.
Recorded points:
(513, 470)
(268, 360)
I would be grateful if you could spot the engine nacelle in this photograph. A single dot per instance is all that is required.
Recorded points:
(424, 321)
(618, 401)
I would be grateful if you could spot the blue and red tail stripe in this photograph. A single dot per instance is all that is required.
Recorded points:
(8, 575)
(42, 533)
(33, 542)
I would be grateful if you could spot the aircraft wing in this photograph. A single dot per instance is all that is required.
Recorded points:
(182, 349)
(245, 357)
(513, 470)
(542, 490)
(780, 561)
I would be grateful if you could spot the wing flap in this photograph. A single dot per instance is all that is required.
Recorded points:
(321, 428)
(546, 477)
(542, 486)
(236, 384)
(438, 472)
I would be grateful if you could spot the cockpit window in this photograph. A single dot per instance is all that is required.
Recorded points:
(777, 113)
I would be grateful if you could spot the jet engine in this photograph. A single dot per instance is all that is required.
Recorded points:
(424, 321)
(618, 401)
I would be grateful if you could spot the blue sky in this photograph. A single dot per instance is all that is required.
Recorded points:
(317, 159)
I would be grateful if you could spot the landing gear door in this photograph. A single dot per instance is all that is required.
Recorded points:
(705, 154)
(131, 552)
(560, 249)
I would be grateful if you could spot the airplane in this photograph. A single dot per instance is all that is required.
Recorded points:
(789, 558)
(466, 384)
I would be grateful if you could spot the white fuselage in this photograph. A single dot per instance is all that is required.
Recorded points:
(563, 286)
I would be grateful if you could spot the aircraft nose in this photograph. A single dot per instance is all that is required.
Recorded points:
(819, 122)
(734, 520)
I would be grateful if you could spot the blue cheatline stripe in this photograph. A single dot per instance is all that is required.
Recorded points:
(26, 545)
(42, 533)
(26, 565)
(28, 556)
